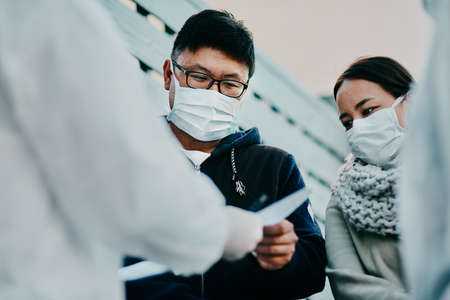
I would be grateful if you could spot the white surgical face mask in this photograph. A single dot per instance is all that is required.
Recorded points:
(377, 138)
(206, 115)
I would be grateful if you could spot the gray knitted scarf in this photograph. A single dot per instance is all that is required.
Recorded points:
(366, 196)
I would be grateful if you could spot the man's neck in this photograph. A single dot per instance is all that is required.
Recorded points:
(189, 143)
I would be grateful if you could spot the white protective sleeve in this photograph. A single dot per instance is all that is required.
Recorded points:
(109, 162)
(425, 184)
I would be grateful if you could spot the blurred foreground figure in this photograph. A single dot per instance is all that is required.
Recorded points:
(425, 188)
(86, 174)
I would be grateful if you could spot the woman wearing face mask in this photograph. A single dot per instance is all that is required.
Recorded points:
(362, 236)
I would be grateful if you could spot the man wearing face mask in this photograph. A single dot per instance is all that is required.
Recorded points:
(207, 76)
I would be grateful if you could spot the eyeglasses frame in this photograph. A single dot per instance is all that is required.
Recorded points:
(212, 81)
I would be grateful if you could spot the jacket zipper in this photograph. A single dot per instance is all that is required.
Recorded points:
(202, 279)
(203, 285)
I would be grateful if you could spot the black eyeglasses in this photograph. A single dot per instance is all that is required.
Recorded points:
(198, 80)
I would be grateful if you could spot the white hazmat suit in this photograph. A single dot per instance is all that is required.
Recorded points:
(425, 184)
(87, 171)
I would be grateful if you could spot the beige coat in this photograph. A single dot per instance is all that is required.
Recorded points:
(362, 265)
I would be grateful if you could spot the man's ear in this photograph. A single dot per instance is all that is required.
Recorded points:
(167, 73)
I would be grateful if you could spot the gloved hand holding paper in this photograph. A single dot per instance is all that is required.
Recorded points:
(245, 231)
(270, 215)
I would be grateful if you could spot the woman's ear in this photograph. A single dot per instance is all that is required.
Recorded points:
(407, 96)
(167, 73)
(402, 111)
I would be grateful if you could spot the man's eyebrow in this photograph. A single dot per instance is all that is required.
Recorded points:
(362, 102)
(207, 71)
(233, 75)
(343, 115)
(198, 67)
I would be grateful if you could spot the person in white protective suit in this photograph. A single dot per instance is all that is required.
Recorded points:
(425, 187)
(87, 175)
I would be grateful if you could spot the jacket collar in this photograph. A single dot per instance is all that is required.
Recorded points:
(238, 140)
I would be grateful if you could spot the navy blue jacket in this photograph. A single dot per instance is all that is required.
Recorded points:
(263, 170)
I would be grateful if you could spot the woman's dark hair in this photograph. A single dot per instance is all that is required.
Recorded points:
(218, 30)
(385, 71)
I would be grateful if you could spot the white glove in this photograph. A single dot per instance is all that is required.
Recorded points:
(245, 231)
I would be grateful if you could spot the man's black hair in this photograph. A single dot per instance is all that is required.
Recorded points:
(218, 30)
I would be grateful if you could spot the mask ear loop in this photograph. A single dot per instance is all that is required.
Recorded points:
(177, 83)
(399, 100)
(177, 86)
(396, 103)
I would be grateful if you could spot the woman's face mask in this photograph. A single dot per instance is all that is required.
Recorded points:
(377, 138)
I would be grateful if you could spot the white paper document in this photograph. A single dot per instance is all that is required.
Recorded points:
(281, 209)
(141, 270)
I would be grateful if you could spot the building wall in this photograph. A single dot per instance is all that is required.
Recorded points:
(314, 40)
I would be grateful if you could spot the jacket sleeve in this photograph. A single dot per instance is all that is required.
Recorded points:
(304, 275)
(112, 169)
(160, 287)
(345, 272)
